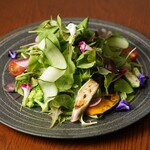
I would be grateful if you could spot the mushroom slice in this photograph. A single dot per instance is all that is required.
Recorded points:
(83, 98)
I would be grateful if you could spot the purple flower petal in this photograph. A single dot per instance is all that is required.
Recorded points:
(12, 54)
(123, 105)
(143, 79)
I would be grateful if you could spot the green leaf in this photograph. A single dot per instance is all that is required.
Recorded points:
(61, 26)
(64, 100)
(86, 59)
(47, 33)
(54, 114)
(108, 79)
(118, 42)
(42, 25)
(122, 85)
(85, 75)
(59, 21)
(120, 61)
(44, 106)
(109, 53)
(103, 71)
(83, 24)
(130, 97)
(37, 61)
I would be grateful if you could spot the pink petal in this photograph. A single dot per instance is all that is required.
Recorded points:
(23, 62)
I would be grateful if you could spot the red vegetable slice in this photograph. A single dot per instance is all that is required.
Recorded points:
(133, 56)
(17, 67)
(95, 101)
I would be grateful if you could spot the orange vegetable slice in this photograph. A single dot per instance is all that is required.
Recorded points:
(107, 102)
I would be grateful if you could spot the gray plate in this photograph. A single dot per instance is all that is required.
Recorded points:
(32, 121)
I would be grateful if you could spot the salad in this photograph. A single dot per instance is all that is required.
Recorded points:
(72, 72)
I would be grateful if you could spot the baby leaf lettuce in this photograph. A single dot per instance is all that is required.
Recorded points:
(86, 60)
(61, 108)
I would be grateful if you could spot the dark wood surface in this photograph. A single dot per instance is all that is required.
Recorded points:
(134, 14)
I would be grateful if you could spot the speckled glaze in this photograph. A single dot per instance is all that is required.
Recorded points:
(32, 121)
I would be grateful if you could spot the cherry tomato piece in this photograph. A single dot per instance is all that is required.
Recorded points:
(14, 68)
(133, 56)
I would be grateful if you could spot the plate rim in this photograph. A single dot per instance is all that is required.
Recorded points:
(8, 36)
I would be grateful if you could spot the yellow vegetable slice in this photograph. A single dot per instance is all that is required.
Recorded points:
(105, 104)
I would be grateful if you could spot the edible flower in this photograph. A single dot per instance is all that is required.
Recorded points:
(143, 79)
(36, 39)
(72, 28)
(123, 105)
(84, 46)
(12, 54)
(26, 89)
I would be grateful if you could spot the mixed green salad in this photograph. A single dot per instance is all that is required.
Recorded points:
(72, 72)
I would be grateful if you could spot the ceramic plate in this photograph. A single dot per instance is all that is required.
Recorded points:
(32, 121)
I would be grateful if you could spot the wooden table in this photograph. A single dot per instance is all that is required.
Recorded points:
(134, 14)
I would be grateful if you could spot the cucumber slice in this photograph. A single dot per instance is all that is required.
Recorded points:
(51, 74)
(133, 80)
(49, 89)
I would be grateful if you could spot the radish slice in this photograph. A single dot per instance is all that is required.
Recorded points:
(10, 87)
(95, 102)
(23, 62)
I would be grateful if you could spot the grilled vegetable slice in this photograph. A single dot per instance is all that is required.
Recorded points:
(83, 98)
(105, 104)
